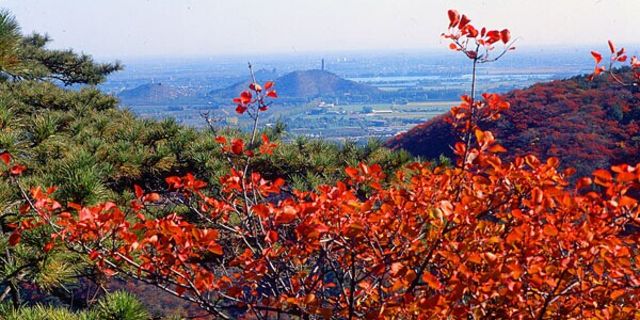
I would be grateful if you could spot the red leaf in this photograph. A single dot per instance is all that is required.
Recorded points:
(272, 94)
(627, 201)
(351, 172)
(496, 148)
(237, 146)
(262, 210)
(471, 32)
(245, 97)
(221, 140)
(596, 56)
(152, 197)
(550, 230)
(93, 254)
(287, 215)
(272, 236)
(138, 190)
(241, 109)
(216, 249)
(85, 214)
(598, 268)
(612, 47)
(431, 280)
(602, 174)
(583, 182)
(5, 157)
(17, 169)
(255, 87)
(464, 21)
(174, 182)
(48, 246)
(505, 35)
(268, 85)
(617, 294)
(14, 238)
(494, 36)
(454, 18)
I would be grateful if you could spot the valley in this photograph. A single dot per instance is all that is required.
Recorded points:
(346, 101)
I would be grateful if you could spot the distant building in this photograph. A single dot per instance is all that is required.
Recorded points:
(323, 104)
(382, 111)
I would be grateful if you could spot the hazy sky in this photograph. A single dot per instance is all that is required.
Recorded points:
(133, 28)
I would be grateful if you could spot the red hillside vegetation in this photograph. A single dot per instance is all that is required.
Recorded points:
(588, 125)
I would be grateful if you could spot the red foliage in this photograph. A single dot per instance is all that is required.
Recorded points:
(476, 45)
(617, 56)
(257, 98)
(586, 125)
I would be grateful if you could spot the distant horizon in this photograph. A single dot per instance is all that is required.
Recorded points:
(121, 29)
(633, 49)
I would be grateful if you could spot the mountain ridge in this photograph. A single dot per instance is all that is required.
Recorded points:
(588, 125)
(307, 84)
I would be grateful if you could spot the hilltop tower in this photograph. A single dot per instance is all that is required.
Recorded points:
(322, 68)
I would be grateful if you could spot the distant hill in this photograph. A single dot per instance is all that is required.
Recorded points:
(153, 93)
(233, 90)
(308, 84)
(588, 125)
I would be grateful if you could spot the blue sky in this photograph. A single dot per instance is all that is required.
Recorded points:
(138, 28)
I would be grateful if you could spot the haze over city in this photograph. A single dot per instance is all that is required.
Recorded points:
(121, 28)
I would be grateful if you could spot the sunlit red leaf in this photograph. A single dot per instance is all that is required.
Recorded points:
(14, 238)
(245, 97)
(241, 109)
(152, 197)
(454, 18)
(5, 157)
(550, 230)
(237, 146)
(255, 87)
(596, 56)
(48, 247)
(287, 215)
(612, 47)
(431, 280)
(17, 169)
(505, 35)
(138, 191)
(617, 294)
(351, 172)
(464, 21)
(272, 236)
(221, 140)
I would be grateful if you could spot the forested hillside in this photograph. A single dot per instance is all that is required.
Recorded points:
(309, 84)
(586, 124)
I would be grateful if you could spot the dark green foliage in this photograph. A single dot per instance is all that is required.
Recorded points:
(10, 39)
(120, 305)
(114, 306)
(65, 66)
